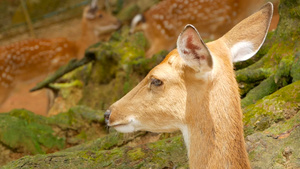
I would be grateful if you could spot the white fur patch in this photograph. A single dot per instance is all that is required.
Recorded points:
(242, 51)
(135, 21)
(128, 128)
(186, 136)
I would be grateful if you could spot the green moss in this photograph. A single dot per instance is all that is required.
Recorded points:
(136, 154)
(24, 132)
(267, 152)
(75, 83)
(27, 132)
(289, 20)
(265, 88)
(252, 76)
(295, 70)
(284, 126)
(166, 153)
(279, 106)
(246, 87)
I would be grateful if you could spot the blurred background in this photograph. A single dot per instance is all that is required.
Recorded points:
(42, 14)
(54, 18)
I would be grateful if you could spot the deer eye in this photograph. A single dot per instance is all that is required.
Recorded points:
(100, 16)
(156, 82)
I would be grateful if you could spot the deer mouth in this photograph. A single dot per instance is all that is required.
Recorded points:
(107, 29)
(118, 125)
(123, 127)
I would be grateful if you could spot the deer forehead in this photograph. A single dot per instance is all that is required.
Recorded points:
(170, 66)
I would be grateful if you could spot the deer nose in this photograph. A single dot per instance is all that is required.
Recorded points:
(106, 116)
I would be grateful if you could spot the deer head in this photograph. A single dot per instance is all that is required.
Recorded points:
(194, 90)
(101, 22)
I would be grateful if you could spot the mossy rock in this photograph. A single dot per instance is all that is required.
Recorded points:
(167, 153)
(279, 106)
(23, 132)
(279, 65)
(295, 69)
(268, 152)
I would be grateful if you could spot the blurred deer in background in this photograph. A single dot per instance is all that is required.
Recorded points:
(194, 90)
(30, 59)
(163, 22)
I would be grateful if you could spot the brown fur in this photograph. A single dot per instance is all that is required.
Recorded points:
(205, 108)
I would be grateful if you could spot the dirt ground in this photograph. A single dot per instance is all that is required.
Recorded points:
(37, 101)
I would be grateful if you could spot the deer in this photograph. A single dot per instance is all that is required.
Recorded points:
(27, 60)
(194, 90)
(164, 21)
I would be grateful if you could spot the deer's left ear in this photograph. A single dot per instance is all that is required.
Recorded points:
(193, 50)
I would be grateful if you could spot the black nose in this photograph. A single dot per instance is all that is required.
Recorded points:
(106, 116)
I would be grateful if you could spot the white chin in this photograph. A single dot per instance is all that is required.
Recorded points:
(125, 128)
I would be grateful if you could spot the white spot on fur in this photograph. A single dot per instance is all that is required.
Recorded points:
(4, 84)
(233, 13)
(242, 51)
(7, 69)
(55, 61)
(58, 49)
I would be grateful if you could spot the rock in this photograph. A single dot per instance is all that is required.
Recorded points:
(167, 153)
(23, 133)
(267, 152)
(277, 107)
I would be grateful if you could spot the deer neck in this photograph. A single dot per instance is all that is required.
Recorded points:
(214, 131)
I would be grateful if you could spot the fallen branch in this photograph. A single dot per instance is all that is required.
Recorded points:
(250, 76)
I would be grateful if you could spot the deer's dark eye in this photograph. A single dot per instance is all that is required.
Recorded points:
(156, 82)
(100, 16)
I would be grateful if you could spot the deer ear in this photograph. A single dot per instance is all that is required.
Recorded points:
(245, 39)
(193, 50)
(91, 10)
